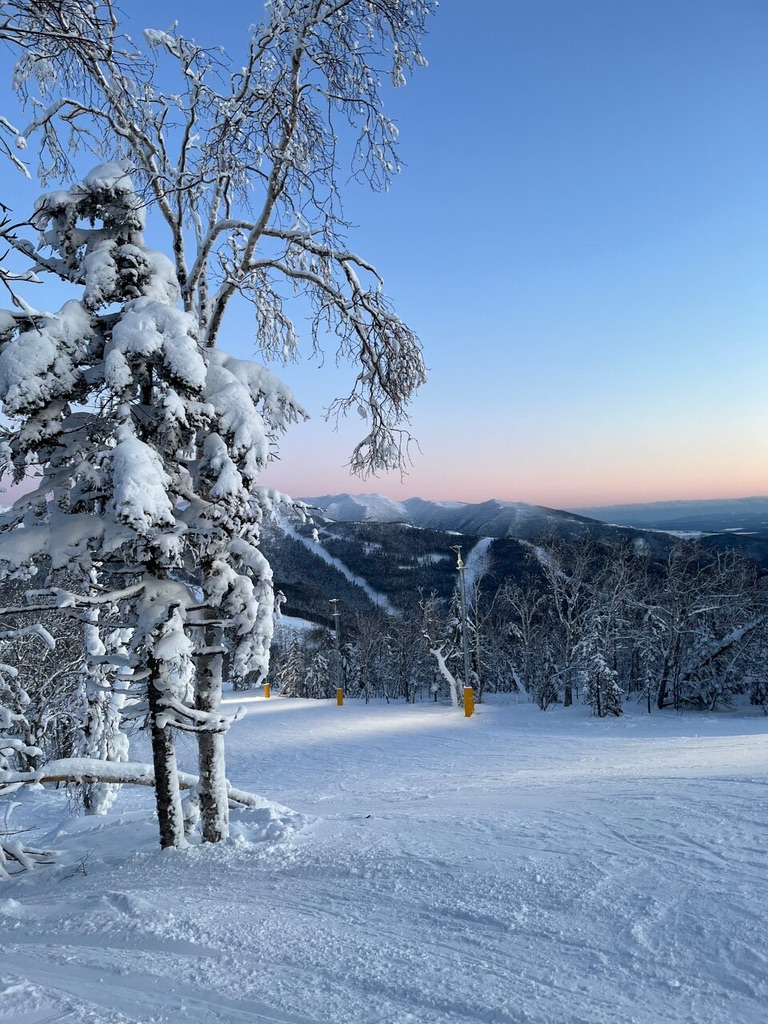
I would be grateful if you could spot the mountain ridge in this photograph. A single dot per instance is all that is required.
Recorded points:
(497, 518)
(491, 518)
(707, 515)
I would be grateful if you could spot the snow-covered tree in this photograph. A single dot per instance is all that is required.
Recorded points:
(601, 690)
(242, 161)
(438, 628)
(105, 678)
(17, 733)
(522, 608)
(567, 568)
(290, 669)
(709, 614)
(413, 668)
(17, 748)
(48, 675)
(132, 429)
(318, 678)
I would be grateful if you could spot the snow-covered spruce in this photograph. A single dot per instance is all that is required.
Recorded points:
(16, 748)
(147, 448)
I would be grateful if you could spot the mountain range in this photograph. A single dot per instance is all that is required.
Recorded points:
(485, 519)
(372, 552)
(493, 518)
(719, 515)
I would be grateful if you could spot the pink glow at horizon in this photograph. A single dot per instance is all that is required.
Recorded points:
(578, 467)
(554, 486)
(556, 498)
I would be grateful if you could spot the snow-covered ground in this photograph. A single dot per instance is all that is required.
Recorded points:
(519, 866)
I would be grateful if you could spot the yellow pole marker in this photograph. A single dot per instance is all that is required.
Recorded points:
(267, 691)
(339, 697)
(469, 701)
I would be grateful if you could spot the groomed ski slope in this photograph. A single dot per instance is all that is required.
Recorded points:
(520, 866)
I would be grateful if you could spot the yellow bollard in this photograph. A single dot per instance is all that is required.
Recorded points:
(267, 691)
(339, 697)
(469, 701)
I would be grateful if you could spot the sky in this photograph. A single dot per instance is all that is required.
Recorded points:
(579, 236)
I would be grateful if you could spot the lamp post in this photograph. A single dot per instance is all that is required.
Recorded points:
(469, 693)
(337, 651)
(336, 614)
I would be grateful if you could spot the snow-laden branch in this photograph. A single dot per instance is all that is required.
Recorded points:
(242, 160)
(16, 856)
(716, 648)
(37, 629)
(180, 716)
(86, 769)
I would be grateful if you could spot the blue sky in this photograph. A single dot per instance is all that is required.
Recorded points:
(580, 238)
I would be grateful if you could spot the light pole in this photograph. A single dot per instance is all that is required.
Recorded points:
(337, 651)
(469, 693)
(336, 613)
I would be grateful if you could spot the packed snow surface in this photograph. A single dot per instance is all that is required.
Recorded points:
(518, 866)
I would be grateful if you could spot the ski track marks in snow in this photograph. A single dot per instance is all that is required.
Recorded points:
(517, 868)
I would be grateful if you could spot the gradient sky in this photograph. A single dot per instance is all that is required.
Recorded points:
(580, 239)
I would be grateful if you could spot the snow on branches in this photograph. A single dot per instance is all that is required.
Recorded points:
(146, 441)
(244, 159)
(146, 446)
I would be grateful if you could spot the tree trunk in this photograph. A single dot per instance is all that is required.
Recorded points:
(167, 791)
(214, 804)
(669, 659)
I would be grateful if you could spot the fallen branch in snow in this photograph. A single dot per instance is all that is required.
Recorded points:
(87, 769)
(15, 857)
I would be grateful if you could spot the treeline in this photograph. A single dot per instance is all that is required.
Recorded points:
(584, 620)
(581, 621)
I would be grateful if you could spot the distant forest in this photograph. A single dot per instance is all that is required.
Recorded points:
(671, 623)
